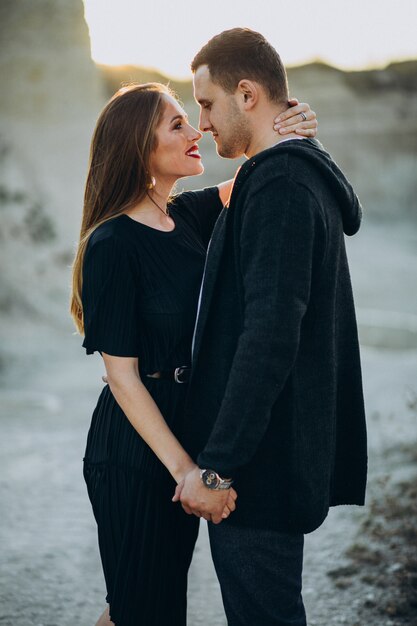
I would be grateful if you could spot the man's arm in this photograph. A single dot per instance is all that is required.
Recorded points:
(280, 230)
(213, 505)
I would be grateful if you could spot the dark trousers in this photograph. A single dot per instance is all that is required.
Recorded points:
(260, 575)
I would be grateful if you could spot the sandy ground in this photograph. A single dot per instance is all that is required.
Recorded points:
(50, 572)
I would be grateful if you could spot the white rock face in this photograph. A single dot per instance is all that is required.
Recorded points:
(51, 96)
(368, 121)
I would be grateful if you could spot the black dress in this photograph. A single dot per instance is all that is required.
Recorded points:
(140, 294)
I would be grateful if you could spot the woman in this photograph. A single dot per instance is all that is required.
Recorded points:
(136, 280)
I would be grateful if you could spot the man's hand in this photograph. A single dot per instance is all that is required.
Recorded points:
(214, 505)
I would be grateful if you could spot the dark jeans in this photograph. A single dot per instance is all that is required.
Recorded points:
(260, 575)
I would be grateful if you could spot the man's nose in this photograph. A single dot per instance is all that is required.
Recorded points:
(204, 123)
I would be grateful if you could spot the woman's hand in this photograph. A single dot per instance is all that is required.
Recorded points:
(230, 504)
(298, 118)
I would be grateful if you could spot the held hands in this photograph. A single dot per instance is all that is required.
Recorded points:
(196, 498)
(298, 118)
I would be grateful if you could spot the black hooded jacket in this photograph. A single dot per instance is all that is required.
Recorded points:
(275, 399)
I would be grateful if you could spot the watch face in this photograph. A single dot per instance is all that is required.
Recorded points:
(210, 479)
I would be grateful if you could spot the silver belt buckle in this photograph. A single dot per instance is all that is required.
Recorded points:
(177, 373)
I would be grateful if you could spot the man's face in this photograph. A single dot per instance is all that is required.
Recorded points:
(220, 114)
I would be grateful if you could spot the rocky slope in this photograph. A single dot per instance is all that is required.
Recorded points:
(368, 121)
(52, 93)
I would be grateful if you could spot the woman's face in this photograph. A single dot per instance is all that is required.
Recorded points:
(177, 153)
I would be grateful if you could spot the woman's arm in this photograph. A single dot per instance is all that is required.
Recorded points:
(142, 412)
(225, 190)
(298, 118)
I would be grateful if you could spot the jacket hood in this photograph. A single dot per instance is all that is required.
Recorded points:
(313, 151)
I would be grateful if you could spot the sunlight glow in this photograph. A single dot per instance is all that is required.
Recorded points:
(165, 35)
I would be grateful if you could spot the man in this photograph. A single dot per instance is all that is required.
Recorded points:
(275, 401)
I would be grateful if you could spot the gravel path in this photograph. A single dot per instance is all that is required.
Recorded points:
(50, 573)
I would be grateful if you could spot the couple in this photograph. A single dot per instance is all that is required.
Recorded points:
(272, 409)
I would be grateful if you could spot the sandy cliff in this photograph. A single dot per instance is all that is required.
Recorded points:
(51, 94)
(367, 120)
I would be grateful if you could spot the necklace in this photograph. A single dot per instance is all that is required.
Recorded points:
(157, 205)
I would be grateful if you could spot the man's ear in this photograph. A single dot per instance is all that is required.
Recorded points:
(249, 94)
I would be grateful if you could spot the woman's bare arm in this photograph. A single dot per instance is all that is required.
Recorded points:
(298, 118)
(225, 190)
(142, 412)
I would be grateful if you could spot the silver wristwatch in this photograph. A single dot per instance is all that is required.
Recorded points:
(212, 480)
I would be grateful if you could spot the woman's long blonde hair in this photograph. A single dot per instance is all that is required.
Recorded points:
(118, 175)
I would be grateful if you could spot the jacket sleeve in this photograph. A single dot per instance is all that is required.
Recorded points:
(277, 242)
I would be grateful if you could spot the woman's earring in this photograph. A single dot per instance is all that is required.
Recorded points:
(152, 183)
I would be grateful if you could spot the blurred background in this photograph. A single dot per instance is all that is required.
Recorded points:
(356, 64)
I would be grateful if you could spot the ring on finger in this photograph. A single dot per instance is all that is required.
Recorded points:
(303, 115)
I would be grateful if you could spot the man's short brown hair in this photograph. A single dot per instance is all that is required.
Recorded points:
(243, 53)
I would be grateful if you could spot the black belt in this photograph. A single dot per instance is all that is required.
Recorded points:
(179, 374)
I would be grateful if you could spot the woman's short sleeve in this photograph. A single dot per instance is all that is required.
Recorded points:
(200, 209)
(109, 297)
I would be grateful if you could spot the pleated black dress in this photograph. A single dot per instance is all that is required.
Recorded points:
(140, 294)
